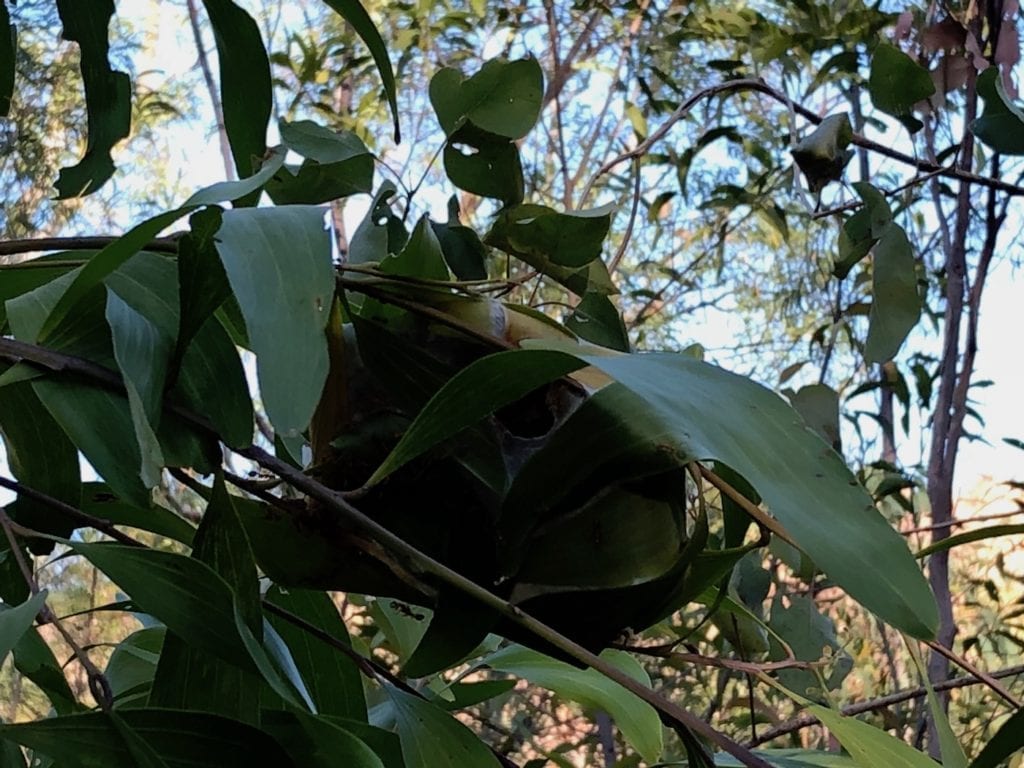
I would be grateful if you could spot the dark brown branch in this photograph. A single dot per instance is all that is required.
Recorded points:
(40, 244)
(805, 721)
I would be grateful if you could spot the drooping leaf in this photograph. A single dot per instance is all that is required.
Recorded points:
(897, 83)
(503, 98)
(180, 739)
(950, 751)
(278, 261)
(1001, 125)
(463, 249)
(35, 660)
(1009, 739)
(713, 414)
(870, 746)
(190, 677)
(967, 537)
(245, 86)
(333, 679)
(107, 96)
(431, 738)
(17, 620)
(8, 45)
(42, 457)
(355, 14)
(896, 304)
(637, 719)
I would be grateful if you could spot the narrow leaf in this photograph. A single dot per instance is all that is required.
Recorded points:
(870, 747)
(16, 621)
(1009, 739)
(967, 537)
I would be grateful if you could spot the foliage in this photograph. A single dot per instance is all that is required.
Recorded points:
(502, 491)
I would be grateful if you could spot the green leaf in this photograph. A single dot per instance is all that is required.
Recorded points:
(245, 85)
(181, 739)
(897, 83)
(1001, 125)
(818, 405)
(538, 234)
(597, 320)
(420, 257)
(638, 721)
(792, 758)
(278, 261)
(11, 755)
(485, 165)
(26, 276)
(463, 249)
(380, 232)
(1009, 739)
(478, 390)
(318, 742)
(869, 746)
(464, 695)
(896, 304)
(99, 501)
(236, 190)
(182, 592)
(107, 94)
(504, 98)
(190, 677)
(812, 636)
(431, 738)
(8, 46)
(951, 752)
(713, 414)
(202, 284)
(967, 537)
(133, 665)
(16, 621)
(458, 626)
(333, 679)
(337, 164)
(42, 457)
(355, 14)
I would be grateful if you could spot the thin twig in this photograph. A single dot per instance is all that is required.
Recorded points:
(986, 678)
(762, 517)
(805, 721)
(39, 244)
(628, 234)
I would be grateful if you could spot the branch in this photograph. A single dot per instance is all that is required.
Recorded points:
(419, 560)
(36, 244)
(805, 721)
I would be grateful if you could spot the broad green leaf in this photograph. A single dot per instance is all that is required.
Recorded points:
(318, 742)
(485, 165)
(26, 276)
(245, 86)
(333, 679)
(812, 636)
(597, 320)
(8, 45)
(380, 232)
(320, 144)
(17, 620)
(401, 625)
(190, 677)
(870, 747)
(42, 457)
(536, 233)
(818, 405)
(420, 257)
(181, 739)
(459, 624)
(713, 414)
(504, 98)
(278, 261)
(107, 92)
(141, 752)
(896, 304)
(99, 501)
(431, 738)
(337, 164)
(133, 665)
(1001, 125)
(822, 155)
(967, 537)
(385, 743)
(462, 695)
(35, 660)
(638, 721)
(481, 388)
(1009, 740)
(355, 14)
(182, 592)
(879, 212)
(897, 82)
